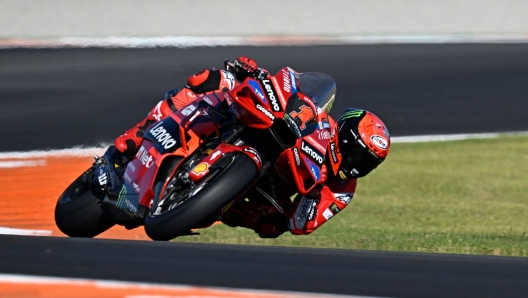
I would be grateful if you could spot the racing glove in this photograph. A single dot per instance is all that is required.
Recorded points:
(244, 67)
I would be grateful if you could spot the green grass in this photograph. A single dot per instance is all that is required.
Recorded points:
(455, 197)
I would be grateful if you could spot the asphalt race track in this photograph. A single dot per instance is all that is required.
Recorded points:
(62, 98)
(372, 273)
(66, 97)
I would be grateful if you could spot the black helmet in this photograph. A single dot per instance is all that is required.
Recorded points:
(364, 142)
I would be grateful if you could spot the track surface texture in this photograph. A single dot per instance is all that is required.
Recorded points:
(60, 98)
(277, 268)
(66, 97)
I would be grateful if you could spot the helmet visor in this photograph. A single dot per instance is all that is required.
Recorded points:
(359, 160)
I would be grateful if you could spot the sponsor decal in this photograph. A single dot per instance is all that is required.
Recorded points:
(191, 94)
(351, 114)
(272, 95)
(228, 98)
(136, 187)
(344, 197)
(313, 211)
(130, 206)
(144, 157)
(323, 135)
(200, 168)
(162, 136)
(293, 125)
(333, 152)
(314, 172)
(207, 100)
(188, 110)
(312, 153)
(293, 82)
(255, 154)
(314, 169)
(121, 198)
(301, 213)
(304, 115)
(229, 79)
(214, 155)
(258, 90)
(103, 179)
(127, 177)
(286, 80)
(131, 166)
(157, 111)
(328, 214)
(266, 112)
(334, 208)
(297, 157)
(380, 142)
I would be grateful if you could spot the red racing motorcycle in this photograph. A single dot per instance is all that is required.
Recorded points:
(193, 165)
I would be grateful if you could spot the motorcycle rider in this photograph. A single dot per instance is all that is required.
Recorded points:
(363, 143)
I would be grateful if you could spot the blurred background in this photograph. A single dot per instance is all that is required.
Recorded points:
(80, 73)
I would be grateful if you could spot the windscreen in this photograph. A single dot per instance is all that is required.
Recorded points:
(319, 87)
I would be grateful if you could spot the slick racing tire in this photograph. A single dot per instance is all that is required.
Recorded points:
(214, 194)
(79, 214)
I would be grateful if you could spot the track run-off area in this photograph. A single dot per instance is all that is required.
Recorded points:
(51, 99)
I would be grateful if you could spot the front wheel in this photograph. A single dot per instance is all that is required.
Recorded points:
(78, 212)
(204, 203)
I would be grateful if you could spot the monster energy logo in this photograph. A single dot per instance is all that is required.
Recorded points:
(352, 114)
(121, 197)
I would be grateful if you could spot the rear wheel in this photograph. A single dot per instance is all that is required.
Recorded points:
(78, 212)
(200, 203)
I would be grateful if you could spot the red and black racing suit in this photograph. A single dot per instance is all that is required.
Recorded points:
(303, 215)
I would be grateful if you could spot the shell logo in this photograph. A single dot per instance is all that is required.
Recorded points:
(200, 168)
(379, 142)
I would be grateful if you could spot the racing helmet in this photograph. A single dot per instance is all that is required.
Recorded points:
(364, 142)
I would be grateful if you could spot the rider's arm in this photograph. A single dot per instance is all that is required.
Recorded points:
(310, 212)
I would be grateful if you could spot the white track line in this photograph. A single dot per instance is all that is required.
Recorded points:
(22, 163)
(213, 41)
(12, 231)
(454, 137)
(109, 284)
(78, 151)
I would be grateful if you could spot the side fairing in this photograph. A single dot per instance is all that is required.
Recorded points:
(164, 135)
